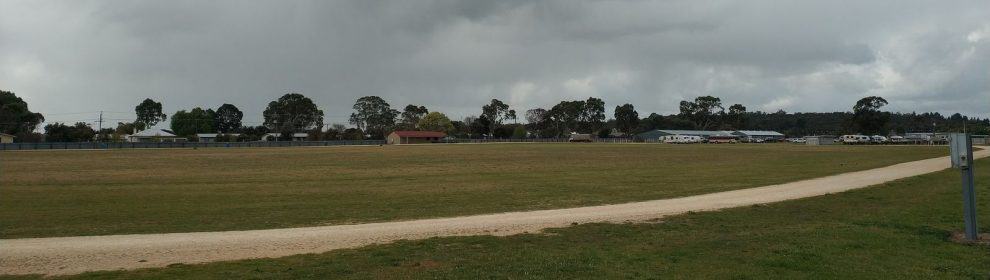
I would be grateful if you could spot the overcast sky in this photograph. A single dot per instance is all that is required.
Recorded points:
(71, 58)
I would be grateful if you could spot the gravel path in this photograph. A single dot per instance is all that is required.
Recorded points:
(72, 255)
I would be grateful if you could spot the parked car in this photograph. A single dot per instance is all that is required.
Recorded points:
(722, 139)
(447, 139)
(797, 140)
(878, 139)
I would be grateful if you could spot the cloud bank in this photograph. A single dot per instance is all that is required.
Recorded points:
(65, 57)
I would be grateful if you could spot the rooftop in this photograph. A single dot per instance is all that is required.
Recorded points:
(155, 132)
(420, 134)
(214, 135)
(758, 133)
(696, 132)
(294, 135)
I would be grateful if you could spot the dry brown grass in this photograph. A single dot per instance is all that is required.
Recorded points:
(66, 193)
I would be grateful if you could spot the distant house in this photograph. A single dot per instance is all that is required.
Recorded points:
(155, 135)
(299, 136)
(212, 137)
(414, 137)
(6, 138)
(758, 135)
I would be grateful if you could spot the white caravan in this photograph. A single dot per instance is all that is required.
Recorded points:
(680, 139)
(855, 139)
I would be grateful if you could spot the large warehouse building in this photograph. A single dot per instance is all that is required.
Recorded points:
(752, 135)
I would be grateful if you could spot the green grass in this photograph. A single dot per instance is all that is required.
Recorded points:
(897, 230)
(69, 193)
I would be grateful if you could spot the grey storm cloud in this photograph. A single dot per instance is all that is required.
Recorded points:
(453, 56)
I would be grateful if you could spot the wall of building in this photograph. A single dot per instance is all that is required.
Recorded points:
(819, 141)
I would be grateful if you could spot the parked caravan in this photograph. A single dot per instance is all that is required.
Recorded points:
(856, 139)
(680, 139)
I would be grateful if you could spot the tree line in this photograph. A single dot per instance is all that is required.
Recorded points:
(374, 118)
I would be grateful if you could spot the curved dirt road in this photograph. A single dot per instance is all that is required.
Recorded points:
(71, 255)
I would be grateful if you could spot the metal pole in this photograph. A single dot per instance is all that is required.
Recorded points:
(962, 158)
(969, 204)
(969, 195)
(99, 133)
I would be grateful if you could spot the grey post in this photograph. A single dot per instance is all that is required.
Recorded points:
(961, 149)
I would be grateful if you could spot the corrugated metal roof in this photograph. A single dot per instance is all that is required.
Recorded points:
(214, 135)
(294, 135)
(758, 133)
(696, 132)
(154, 133)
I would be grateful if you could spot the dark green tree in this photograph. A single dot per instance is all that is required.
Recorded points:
(374, 116)
(149, 113)
(705, 111)
(435, 121)
(519, 132)
(626, 118)
(411, 116)
(651, 122)
(867, 116)
(228, 118)
(126, 128)
(59, 132)
(195, 121)
(353, 134)
(478, 126)
(536, 121)
(565, 117)
(736, 118)
(253, 133)
(592, 117)
(496, 112)
(292, 113)
(15, 118)
(586, 116)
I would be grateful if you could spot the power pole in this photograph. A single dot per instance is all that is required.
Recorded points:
(100, 131)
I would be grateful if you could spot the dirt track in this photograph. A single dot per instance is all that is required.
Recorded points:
(71, 255)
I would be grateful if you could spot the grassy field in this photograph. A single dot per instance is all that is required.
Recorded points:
(68, 193)
(894, 231)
